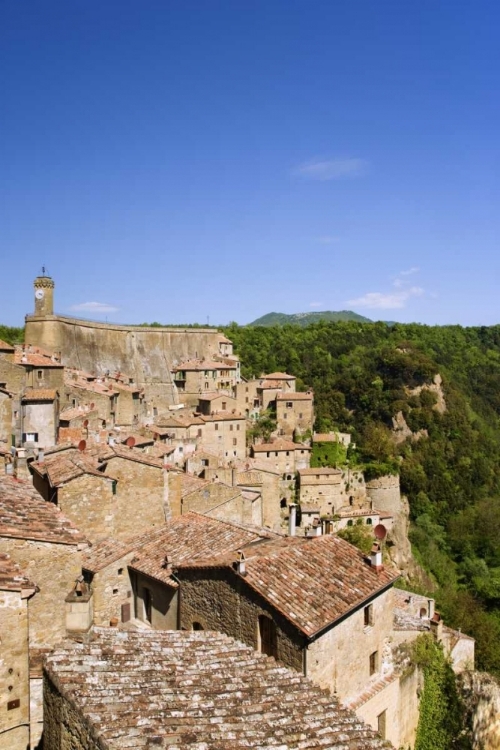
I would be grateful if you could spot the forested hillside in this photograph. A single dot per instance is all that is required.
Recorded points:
(361, 375)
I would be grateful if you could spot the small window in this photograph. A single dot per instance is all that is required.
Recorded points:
(198, 626)
(39, 374)
(285, 415)
(207, 386)
(237, 428)
(289, 405)
(288, 453)
(216, 427)
(349, 522)
(369, 521)
(120, 571)
(267, 636)
(155, 411)
(373, 663)
(368, 616)
(115, 591)
(235, 441)
(224, 406)
(199, 433)
(73, 402)
(113, 486)
(231, 428)
(300, 415)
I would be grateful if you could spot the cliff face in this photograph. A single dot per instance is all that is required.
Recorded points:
(481, 693)
(145, 354)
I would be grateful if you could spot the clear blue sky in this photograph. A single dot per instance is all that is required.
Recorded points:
(175, 160)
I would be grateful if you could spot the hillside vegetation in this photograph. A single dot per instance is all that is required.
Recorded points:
(306, 318)
(362, 375)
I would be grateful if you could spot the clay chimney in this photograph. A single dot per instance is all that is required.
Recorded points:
(376, 557)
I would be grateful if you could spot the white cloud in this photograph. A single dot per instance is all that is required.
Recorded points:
(388, 301)
(399, 282)
(316, 304)
(327, 239)
(410, 271)
(94, 307)
(331, 169)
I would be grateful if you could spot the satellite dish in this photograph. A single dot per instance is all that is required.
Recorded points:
(130, 441)
(82, 445)
(380, 531)
(86, 423)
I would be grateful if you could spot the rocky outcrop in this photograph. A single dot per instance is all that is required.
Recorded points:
(481, 694)
(435, 387)
(402, 432)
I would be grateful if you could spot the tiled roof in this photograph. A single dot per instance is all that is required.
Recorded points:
(94, 386)
(278, 376)
(200, 364)
(139, 440)
(182, 420)
(5, 347)
(212, 396)
(197, 691)
(39, 394)
(191, 483)
(297, 396)
(65, 466)
(76, 412)
(190, 538)
(34, 357)
(279, 445)
(249, 478)
(221, 416)
(324, 470)
(371, 691)
(25, 515)
(316, 583)
(130, 454)
(11, 576)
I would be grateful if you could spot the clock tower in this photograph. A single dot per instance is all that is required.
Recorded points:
(44, 295)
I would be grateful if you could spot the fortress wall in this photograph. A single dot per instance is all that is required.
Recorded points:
(145, 354)
(385, 494)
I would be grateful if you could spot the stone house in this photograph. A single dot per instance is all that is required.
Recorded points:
(48, 547)
(6, 415)
(39, 417)
(294, 413)
(194, 377)
(121, 688)
(42, 369)
(283, 455)
(212, 403)
(224, 433)
(225, 502)
(90, 392)
(321, 487)
(317, 605)
(15, 591)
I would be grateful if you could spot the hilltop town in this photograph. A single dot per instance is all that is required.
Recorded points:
(150, 491)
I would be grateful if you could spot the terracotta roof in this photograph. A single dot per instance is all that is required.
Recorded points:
(157, 430)
(212, 396)
(222, 416)
(65, 466)
(181, 420)
(25, 515)
(200, 364)
(316, 583)
(296, 396)
(278, 376)
(251, 478)
(105, 389)
(323, 470)
(130, 454)
(328, 437)
(279, 445)
(39, 394)
(34, 357)
(12, 578)
(5, 347)
(198, 690)
(191, 483)
(140, 440)
(188, 539)
(76, 412)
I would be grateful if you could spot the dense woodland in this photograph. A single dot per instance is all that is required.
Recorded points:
(361, 374)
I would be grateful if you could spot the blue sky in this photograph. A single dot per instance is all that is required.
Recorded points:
(193, 161)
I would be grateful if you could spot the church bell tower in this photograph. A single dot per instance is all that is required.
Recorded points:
(44, 295)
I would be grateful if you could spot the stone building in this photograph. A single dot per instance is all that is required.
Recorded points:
(224, 433)
(39, 417)
(89, 392)
(294, 413)
(195, 377)
(167, 689)
(6, 415)
(49, 549)
(212, 403)
(321, 487)
(283, 455)
(15, 591)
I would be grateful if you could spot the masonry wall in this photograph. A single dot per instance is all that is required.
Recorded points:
(103, 403)
(146, 354)
(220, 600)
(54, 568)
(385, 494)
(296, 414)
(14, 673)
(216, 500)
(41, 418)
(339, 660)
(225, 437)
(164, 602)
(111, 590)
(89, 502)
(325, 491)
(141, 500)
(41, 376)
(64, 726)
(10, 374)
(5, 417)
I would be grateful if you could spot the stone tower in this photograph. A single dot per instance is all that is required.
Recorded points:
(44, 295)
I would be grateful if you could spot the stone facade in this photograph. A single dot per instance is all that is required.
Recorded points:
(294, 413)
(283, 456)
(321, 487)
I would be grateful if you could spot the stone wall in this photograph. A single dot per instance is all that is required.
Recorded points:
(145, 354)
(54, 569)
(14, 674)
(232, 607)
(164, 602)
(65, 727)
(41, 418)
(481, 693)
(5, 417)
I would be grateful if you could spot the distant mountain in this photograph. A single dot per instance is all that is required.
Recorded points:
(306, 318)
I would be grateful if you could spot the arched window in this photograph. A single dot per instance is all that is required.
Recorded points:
(198, 626)
(349, 523)
(369, 521)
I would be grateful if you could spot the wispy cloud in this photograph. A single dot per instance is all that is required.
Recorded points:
(400, 280)
(386, 301)
(410, 271)
(94, 307)
(327, 239)
(331, 169)
(316, 304)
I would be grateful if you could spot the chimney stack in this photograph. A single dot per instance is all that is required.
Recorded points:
(241, 565)
(292, 519)
(376, 557)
